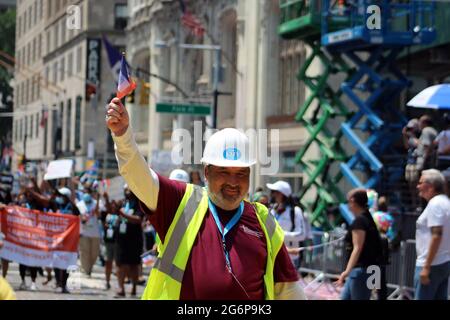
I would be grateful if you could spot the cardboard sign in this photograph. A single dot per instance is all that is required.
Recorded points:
(6, 181)
(114, 188)
(59, 169)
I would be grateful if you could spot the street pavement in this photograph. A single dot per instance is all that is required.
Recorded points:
(81, 286)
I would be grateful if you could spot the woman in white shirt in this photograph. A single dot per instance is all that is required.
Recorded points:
(289, 216)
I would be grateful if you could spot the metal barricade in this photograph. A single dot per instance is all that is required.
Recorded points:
(326, 259)
(400, 272)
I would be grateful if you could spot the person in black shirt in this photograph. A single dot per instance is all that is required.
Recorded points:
(129, 242)
(363, 248)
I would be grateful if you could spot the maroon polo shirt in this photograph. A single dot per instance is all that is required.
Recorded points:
(206, 276)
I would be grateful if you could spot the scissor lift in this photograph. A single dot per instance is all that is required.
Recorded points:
(373, 47)
(334, 29)
(301, 19)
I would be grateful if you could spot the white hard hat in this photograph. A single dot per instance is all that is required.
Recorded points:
(179, 175)
(281, 186)
(228, 148)
(65, 191)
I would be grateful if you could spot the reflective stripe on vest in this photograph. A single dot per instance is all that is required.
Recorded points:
(165, 263)
(166, 276)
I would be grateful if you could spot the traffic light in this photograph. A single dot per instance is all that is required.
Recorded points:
(22, 159)
(130, 97)
(144, 94)
(21, 162)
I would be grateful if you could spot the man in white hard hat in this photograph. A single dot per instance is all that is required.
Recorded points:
(213, 245)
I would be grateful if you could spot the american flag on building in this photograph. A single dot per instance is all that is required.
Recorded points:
(44, 118)
(190, 21)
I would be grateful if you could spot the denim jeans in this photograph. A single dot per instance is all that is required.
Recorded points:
(437, 289)
(355, 287)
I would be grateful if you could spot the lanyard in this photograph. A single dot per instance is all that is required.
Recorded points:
(66, 209)
(126, 209)
(227, 228)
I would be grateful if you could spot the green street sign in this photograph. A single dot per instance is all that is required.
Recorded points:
(183, 108)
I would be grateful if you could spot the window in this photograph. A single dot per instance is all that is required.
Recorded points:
(38, 87)
(32, 89)
(79, 53)
(54, 129)
(55, 72)
(16, 95)
(35, 12)
(45, 136)
(63, 32)
(41, 9)
(68, 123)
(48, 41)
(37, 125)
(19, 26)
(24, 21)
(39, 46)
(28, 62)
(289, 171)
(49, 8)
(78, 123)
(29, 17)
(120, 16)
(25, 127)
(31, 126)
(21, 130)
(62, 69)
(56, 40)
(22, 93)
(27, 90)
(47, 75)
(33, 53)
(70, 64)
(291, 92)
(18, 59)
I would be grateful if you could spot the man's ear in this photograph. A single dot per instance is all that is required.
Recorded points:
(205, 171)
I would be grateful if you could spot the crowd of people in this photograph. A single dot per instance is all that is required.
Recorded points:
(116, 233)
(427, 148)
(113, 233)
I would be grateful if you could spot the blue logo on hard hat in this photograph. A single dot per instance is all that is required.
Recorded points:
(231, 154)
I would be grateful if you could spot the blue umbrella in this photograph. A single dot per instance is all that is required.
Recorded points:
(434, 97)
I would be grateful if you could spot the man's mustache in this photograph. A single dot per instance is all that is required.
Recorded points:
(231, 188)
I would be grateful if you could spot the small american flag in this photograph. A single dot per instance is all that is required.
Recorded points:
(148, 258)
(190, 21)
(126, 84)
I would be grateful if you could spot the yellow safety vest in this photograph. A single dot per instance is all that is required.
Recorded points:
(165, 280)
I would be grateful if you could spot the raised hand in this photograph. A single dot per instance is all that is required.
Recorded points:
(117, 119)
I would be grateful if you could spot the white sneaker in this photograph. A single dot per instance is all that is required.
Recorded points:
(33, 286)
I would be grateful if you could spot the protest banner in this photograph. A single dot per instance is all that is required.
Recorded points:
(59, 169)
(39, 239)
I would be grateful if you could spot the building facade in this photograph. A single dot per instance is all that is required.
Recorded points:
(258, 73)
(64, 79)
